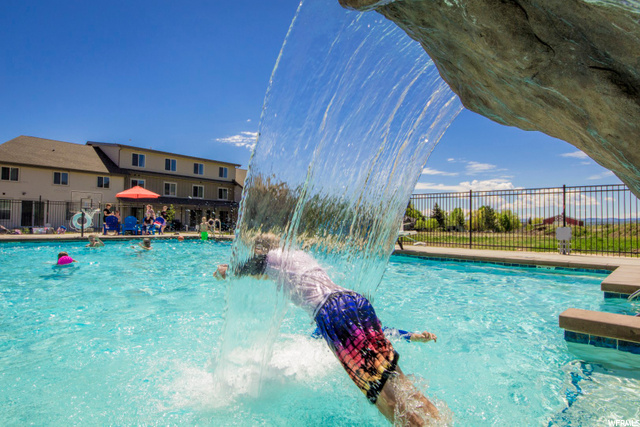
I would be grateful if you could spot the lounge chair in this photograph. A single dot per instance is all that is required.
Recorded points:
(405, 234)
(111, 224)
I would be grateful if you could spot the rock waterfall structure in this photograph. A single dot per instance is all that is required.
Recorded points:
(569, 68)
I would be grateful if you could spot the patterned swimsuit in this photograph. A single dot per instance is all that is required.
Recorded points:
(345, 319)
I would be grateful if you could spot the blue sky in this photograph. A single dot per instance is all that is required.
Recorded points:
(190, 78)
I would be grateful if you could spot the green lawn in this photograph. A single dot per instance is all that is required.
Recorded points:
(622, 239)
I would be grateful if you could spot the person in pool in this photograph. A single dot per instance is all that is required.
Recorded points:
(145, 244)
(64, 258)
(94, 242)
(349, 325)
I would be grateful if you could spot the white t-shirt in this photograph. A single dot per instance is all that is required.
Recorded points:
(302, 278)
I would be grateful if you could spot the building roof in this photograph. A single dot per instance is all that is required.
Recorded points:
(149, 150)
(49, 153)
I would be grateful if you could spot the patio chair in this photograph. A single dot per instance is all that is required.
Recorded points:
(131, 225)
(110, 224)
(405, 234)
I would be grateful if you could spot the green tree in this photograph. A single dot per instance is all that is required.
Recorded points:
(456, 219)
(484, 219)
(508, 221)
(171, 213)
(412, 212)
(439, 215)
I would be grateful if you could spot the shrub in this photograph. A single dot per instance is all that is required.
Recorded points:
(508, 221)
(455, 219)
(411, 212)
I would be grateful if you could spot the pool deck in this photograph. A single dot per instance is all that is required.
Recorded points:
(592, 262)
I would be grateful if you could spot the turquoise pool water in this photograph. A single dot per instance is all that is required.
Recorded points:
(128, 337)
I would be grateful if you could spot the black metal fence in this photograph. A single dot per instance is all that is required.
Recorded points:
(603, 219)
(46, 216)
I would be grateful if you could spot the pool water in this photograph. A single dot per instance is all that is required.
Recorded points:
(129, 337)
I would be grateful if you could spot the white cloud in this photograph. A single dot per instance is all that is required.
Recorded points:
(601, 175)
(575, 155)
(475, 185)
(244, 139)
(429, 171)
(476, 167)
(451, 159)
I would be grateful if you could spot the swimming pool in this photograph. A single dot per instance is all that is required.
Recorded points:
(126, 337)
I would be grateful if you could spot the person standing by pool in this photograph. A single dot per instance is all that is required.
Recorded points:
(165, 216)
(349, 325)
(150, 212)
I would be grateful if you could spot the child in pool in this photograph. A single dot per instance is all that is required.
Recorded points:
(349, 325)
(64, 259)
(146, 244)
(94, 242)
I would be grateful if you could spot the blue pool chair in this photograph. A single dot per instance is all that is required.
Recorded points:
(110, 224)
(131, 225)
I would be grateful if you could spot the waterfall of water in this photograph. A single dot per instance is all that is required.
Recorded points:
(353, 111)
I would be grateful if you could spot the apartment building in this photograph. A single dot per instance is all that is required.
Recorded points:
(44, 181)
(196, 186)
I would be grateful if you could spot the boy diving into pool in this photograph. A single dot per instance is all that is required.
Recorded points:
(349, 325)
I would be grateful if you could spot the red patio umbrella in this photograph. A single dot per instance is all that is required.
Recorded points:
(137, 192)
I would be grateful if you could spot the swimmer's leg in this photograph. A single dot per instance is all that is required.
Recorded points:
(402, 403)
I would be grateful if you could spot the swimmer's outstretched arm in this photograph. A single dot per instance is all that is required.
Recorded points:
(397, 333)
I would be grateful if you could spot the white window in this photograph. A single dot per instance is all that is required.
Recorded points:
(103, 182)
(9, 174)
(139, 182)
(170, 165)
(60, 178)
(170, 188)
(198, 168)
(198, 191)
(223, 172)
(138, 160)
(223, 193)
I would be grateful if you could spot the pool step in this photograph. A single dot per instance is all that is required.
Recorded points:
(600, 329)
(624, 281)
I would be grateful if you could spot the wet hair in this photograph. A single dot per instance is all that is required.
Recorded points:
(61, 254)
(254, 266)
(146, 241)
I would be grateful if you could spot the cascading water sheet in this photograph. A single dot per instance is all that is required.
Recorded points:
(353, 111)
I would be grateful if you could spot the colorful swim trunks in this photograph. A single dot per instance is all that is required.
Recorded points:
(350, 326)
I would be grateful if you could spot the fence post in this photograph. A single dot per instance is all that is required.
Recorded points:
(82, 226)
(564, 205)
(470, 219)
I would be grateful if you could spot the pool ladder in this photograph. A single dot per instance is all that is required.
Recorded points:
(634, 295)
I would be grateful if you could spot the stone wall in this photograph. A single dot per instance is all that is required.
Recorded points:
(568, 68)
